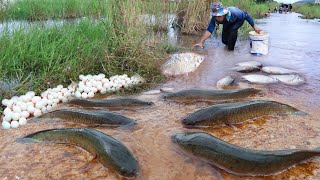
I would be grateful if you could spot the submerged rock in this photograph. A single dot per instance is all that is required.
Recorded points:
(182, 63)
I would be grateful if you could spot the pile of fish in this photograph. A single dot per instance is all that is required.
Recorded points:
(231, 158)
(274, 75)
(182, 63)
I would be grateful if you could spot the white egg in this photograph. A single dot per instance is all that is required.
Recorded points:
(84, 95)
(55, 95)
(14, 124)
(67, 94)
(77, 94)
(15, 98)
(54, 105)
(119, 86)
(36, 99)
(50, 97)
(104, 80)
(60, 97)
(39, 105)
(89, 76)
(16, 109)
(126, 86)
(81, 88)
(37, 113)
(56, 101)
(50, 102)
(6, 111)
(30, 104)
(31, 94)
(27, 98)
(23, 106)
(10, 103)
(88, 84)
(60, 87)
(6, 125)
(44, 110)
(45, 101)
(63, 90)
(5, 102)
(87, 89)
(15, 116)
(64, 99)
(94, 90)
(103, 91)
(8, 117)
(99, 87)
(25, 114)
(106, 85)
(97, 78)
(90, 94)
(81, 76)
(102, 75)
(49, 108)
(22, 121)
(116, 81)
(30, 109)
(44, 94)
(49, 90)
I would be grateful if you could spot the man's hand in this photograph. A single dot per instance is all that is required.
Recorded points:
(257, 30)
(198, 44)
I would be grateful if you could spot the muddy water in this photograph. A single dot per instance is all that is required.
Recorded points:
(294, 45)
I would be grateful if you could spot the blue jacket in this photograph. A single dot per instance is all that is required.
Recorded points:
(236, 17)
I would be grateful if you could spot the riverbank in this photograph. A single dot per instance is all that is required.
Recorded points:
(309, 11)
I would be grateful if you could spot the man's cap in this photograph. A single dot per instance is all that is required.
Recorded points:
(218, 9)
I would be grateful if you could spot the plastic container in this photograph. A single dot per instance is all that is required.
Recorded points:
(259, 43)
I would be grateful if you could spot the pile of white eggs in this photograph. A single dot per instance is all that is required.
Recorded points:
(19, 109)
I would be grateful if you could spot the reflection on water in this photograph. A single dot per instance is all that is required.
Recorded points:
(294, 45)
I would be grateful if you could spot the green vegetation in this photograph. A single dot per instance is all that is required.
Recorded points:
(309, 11)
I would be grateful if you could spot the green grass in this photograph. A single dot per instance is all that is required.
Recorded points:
(52, 9)
(309, 11)
(43, 57)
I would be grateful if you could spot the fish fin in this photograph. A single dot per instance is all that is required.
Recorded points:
(128, 126)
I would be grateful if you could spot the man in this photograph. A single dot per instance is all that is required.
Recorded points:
(232, 19)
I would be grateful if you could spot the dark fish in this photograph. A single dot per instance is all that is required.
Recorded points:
(216, 95)
(241, 161)
(237, 112)
(90, 117)
(111, 103)
(109, 151)
(246, 69)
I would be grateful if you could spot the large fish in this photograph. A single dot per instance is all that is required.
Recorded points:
(182, 63)
(250, 64)
(111, 103)
(290, 79)
(241, 161)
(260, 79)
(104, 118)
(215, 95)
(237, 112)
(277, 70)
(246, 69)
(110, 152)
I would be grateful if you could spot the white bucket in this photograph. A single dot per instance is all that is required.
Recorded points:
(259, 43)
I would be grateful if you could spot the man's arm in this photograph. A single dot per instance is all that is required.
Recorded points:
(251, 22)
(207, 34)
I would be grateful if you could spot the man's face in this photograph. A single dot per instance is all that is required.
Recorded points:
(220, 18)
